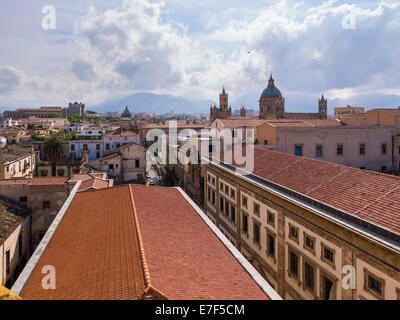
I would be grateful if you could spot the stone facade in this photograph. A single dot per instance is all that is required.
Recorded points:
(274, 233)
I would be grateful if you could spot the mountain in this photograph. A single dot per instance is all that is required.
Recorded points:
(157, 103)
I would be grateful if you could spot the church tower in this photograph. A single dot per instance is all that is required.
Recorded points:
(323, 108)
(243, 111)
(223, 112)
(223, 100)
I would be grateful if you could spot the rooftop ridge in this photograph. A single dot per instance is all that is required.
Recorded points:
(140, 241)
(150, 290)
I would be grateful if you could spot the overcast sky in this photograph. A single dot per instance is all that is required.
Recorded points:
(109, 48)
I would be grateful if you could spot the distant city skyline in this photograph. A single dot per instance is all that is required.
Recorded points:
(101, 50)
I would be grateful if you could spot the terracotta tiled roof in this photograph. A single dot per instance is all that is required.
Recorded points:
(180, 124)
(241, 123)
(305, 123)
(120, 133)
(93, 184)
(49, 180)
(372, 196)
(138, 242)
(36, 181)
(84, 177)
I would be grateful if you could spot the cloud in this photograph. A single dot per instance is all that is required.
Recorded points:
(193, 49)
(10, 79)
(83, 70)
(130, 45)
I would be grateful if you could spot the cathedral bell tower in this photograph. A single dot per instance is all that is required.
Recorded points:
(323, 108)
(223, 100)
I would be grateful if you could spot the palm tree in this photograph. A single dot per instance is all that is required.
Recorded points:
(54, 149)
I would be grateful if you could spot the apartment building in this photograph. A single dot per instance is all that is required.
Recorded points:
(125, 165)
(364, 147)
(14, 239)
(309, 226)
(43, 196)
(17, 161)
(98, 146)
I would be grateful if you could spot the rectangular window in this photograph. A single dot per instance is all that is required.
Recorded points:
(221, 205)
(270, 218)
(294, 233)
(256, 209)
(97, 147)
(309, 243)
(298, 150)
(226, 190)
(339, 150)
(244, 201)
(107, 146)
(72, 147)
(328, 254)
(375, 285)
(137, 163)
(256, 233)
(362, 149)
(221, 187)
(384, 148)
(23, 199)
(233, 214)
(309, 277)
(213, 197)
(293, 264)
(46, 204)
(227, 208)
(271, 245)
(209, 194)
(245, 224)
(232, 193)
(318, 151)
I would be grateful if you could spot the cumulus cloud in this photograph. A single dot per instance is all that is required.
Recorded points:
(83, 70)
(132, 46)
(193, 50)
(10, 79)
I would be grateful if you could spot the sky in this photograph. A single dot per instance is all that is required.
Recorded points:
(107, 49)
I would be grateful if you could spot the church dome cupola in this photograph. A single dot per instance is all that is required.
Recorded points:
(271, 91)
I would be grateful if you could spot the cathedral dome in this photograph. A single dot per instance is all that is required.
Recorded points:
(271, 91)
